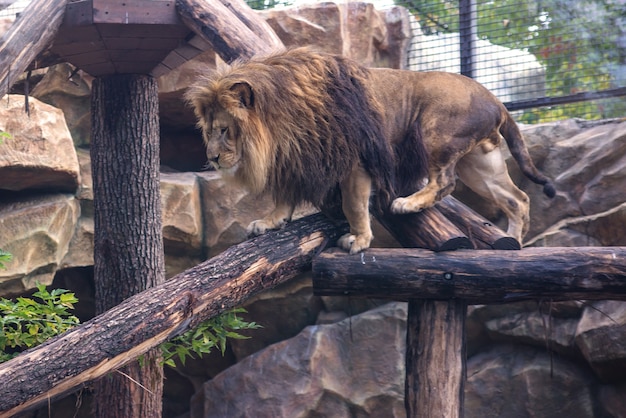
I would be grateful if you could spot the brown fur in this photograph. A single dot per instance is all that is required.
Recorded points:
(303, 125)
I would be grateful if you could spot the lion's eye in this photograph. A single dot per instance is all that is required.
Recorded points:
(223, 131)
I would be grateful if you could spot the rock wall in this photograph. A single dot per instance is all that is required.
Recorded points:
(323, 356)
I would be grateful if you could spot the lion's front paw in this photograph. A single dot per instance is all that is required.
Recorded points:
(354, 243)
(403, 205)
(261, 226)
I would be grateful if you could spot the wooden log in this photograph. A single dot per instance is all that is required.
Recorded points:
(30, 34)
(145, 320)
(230, 37)
(481, 232)
(435, 358)
(477, 276)
(253, 21)
(425, 229)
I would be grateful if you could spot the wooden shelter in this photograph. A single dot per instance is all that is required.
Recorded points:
(145, 38)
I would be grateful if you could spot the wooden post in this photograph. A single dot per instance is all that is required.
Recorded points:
(435, 361)
(435, 358)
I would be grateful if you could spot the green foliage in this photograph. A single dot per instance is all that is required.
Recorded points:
(208, 335)
(4, 258)
(26, 322)
(265, 4)
(4, 135)
(577, 43)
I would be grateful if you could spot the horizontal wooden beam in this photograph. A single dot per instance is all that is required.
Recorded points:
(477, 276)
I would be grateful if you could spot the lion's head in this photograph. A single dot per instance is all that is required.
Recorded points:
(236, 142)
(294, 124)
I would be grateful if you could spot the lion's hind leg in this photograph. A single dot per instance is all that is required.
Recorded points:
(484, 171)
(281, 214)
(355, 195)
(440, 184)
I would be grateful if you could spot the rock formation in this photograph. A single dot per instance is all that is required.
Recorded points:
(324, 356)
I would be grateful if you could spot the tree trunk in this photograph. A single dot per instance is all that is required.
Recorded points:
(128, 244)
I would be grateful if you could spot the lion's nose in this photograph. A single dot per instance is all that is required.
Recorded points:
(215, 159)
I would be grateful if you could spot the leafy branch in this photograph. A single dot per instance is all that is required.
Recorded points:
(208, 335)
(27, 322)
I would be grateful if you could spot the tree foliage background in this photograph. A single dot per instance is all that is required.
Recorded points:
(581, 44)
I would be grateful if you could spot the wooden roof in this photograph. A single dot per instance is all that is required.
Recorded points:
(105, 37)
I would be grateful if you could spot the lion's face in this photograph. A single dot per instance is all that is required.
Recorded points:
(220, 132)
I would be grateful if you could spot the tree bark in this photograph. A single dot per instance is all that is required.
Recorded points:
(435, 359)
(143, 321)
(128, 243)
(30, 34)
(425, 229)
(479, 277)
(232, 36)
(482, 233)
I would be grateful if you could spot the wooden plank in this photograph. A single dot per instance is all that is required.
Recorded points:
(160, 70)
(153, 31)
(76, 34)
(135, 12)
(477, 276)
(150, 57)
(187, 51)
(143, 321)
(134, 67)
(79, 13)
(98, 69)
(68, 50)
(199, 42)
(27, 37)
(173, 60)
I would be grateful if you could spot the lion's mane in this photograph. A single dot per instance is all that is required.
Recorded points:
(311, 120)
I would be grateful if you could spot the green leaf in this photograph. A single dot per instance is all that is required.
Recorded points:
(26, 322)
(206, 336)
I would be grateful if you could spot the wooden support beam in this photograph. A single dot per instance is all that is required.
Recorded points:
(435, 359)
(425, 229)
(145, 320)
(478, 277)
(482, 233)
(233, 32)
(30, 34)
(435, 335)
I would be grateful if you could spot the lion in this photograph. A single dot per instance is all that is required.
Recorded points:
(309, 126)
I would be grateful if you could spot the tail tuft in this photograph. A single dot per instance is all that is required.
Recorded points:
(549, 190)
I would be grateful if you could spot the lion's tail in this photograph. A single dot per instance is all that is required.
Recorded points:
(515, 141)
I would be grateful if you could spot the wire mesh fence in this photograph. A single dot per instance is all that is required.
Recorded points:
(545, 59)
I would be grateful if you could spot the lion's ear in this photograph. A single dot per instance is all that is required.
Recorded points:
(245, 94)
